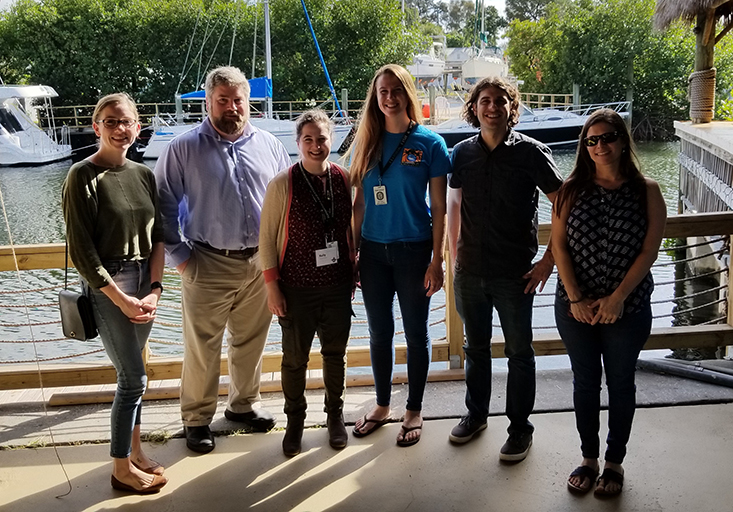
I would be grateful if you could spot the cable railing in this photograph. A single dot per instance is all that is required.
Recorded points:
(680, 297)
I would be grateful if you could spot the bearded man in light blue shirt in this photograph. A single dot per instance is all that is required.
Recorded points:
(211, 183)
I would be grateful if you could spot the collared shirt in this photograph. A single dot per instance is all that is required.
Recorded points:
(211, 190)
(498, 235)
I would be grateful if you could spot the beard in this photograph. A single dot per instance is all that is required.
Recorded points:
(231, 125)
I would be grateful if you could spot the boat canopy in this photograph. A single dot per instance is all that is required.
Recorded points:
(260, 88)
(26, 91)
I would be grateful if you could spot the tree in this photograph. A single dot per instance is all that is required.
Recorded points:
(155, 48)
(524, 10)
(606, 48)
(463, 24)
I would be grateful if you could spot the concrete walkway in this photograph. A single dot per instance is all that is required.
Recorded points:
(680, 458)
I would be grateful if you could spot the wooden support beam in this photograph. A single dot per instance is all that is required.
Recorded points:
(45, 256)
(723, 32)
(718, 335)
(173, 392)
(680, 226)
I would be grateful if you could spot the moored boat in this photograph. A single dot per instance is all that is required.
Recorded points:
(556, 127)
(22, 141)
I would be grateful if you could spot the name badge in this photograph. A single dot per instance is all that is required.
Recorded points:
(327, 256)
(380, 195)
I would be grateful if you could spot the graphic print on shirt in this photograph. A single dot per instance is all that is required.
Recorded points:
(411, 157)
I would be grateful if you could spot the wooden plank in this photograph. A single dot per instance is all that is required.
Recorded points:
(680, 226)
(173, 392)
(33, 257)
(26, 376)
(43, 256)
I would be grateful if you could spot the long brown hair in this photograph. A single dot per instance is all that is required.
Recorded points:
(584, 170)
(368, 140)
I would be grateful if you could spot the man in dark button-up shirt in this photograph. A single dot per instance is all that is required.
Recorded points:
(492, 205)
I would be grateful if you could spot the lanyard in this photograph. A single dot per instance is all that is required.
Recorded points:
(328, 216)
(383, 168)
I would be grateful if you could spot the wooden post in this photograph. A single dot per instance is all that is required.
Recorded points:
(431, 100)
(453, 323)
(704, 47)
(345, 102)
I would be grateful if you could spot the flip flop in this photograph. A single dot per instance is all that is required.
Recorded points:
(609, 475)
(585, 472)
(405, 430)
(364, 421)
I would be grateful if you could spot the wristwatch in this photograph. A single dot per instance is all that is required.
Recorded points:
(156, 284)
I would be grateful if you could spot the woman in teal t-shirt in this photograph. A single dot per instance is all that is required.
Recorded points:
(400, 238)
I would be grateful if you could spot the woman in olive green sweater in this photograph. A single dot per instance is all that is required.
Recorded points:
(115, 239)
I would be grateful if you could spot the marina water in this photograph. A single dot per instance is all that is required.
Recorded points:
(32, 198)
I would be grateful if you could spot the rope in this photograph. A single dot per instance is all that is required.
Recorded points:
(57, 358)
(35, 349)
(701, 93)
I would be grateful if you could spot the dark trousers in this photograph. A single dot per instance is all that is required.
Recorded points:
(617, 346)
(326, 311)
(476, 297)
(389, 269)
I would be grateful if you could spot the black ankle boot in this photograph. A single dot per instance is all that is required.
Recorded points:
(337, 435)
(293, 436)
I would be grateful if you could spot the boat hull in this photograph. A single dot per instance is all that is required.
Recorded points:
(283, 130)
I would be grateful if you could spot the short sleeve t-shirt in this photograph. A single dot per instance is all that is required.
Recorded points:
(406, 216)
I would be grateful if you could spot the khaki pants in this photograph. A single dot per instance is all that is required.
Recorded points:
(221, 292)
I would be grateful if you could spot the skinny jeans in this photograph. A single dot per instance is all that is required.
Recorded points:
(389, 269)
(614, 348)
(326, 311)
(476, 298)
(124, 342)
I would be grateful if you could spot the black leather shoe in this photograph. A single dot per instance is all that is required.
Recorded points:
(259, 420)
(199, 439)
(293, 437)
(337, 435)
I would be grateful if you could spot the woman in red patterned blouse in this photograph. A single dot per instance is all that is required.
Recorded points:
(307, 258)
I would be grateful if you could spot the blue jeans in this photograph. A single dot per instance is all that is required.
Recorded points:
(618, 346)
(124, 342)
(399, 268)
(476, 296)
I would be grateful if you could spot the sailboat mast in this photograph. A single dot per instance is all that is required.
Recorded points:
(268, 55)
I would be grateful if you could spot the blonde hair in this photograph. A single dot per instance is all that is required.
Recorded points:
(226, 75)
(370, 126)
(316, 116)
(114, 99)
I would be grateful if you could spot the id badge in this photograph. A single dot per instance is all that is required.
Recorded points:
(380, 195)
(327, 256)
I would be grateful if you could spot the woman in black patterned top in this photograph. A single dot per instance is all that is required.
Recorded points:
(607, 224)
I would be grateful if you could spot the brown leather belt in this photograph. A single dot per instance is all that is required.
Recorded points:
(239, 253)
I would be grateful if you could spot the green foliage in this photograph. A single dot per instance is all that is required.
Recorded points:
(524, 10)
(607, 47)
(87, 48)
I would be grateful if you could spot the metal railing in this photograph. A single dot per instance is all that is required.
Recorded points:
(42, 316)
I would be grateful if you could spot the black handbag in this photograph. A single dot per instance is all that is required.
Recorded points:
(77, 318)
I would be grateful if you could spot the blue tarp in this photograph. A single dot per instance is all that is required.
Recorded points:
(260, 89)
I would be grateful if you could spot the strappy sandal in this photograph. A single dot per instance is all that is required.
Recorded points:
(402, 442)
(364, 421)
(609, 475)
(586, 473)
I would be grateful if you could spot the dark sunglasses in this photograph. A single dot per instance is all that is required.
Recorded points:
(607, 138)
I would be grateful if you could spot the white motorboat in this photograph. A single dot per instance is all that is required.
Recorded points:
(22, 141)
(555, 127)
(282, 129)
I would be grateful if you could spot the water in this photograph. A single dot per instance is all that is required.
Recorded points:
(32, 198)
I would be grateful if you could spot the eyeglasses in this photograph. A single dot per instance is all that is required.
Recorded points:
(607, 138)
(113, 123)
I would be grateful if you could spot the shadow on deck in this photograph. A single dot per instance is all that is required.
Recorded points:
(680, 457)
